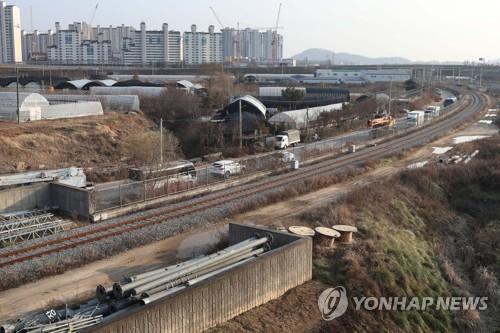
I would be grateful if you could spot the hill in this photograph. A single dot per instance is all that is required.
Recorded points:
(323, 55)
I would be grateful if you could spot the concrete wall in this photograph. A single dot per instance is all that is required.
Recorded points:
(226, 296)
(22, 198)
(72, 200)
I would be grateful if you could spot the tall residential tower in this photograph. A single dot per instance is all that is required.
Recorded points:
(11, 48)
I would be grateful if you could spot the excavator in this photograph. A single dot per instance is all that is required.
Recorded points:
(381, 119)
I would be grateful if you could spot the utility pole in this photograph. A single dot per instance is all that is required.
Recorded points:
(17, 96)
(161, 141)
(390, 97)
(241, 125)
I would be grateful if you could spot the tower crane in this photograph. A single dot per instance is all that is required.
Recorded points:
(217, 17)
(94, 13)
(236, 40)
(275, 41)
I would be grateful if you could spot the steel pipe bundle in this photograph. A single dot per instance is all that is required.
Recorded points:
(156, 284)
(67, 326)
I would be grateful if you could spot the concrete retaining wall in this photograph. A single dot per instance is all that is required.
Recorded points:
(22, 198)
(226, 296)
(72, 200)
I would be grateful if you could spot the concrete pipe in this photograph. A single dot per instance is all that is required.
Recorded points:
(103, 294)
(153, 281)
(186, 263)
(221, 257)
(121, 290)
(207, 270)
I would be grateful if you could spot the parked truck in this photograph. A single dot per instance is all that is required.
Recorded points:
(416, 118)
(287, 139)
(432, 111)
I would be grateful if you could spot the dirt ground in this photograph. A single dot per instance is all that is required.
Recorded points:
(81, 283)
(83, 142)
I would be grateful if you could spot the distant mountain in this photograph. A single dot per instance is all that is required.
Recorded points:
(322, 55)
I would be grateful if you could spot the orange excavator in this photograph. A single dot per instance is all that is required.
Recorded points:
(381, 119)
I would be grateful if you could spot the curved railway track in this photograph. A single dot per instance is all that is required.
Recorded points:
(197, 205)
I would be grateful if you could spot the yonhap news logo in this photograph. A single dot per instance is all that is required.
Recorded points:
(333, 303)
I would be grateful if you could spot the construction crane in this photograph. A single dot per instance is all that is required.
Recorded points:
(275, 41)
(217, 17)
(94, 13)
(236, 39)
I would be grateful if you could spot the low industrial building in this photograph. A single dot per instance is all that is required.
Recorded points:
(300, 119)
(272, 97)
(33, 107)
(362, 76)
(142, 92)
(110, 103)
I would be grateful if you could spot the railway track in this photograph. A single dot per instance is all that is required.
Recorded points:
(184, 209)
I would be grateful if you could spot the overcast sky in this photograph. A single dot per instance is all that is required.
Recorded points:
(454, 30)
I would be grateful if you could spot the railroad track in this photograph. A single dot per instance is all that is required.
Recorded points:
(184, 209)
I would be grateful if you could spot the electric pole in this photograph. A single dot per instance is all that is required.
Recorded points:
(17, 96)
(241, 125)
(161, 141)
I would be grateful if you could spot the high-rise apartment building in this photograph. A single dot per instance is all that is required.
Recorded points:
(151, 47)
(83, 44)
(11, 49)
(203, 47)
(251, 44)
(36, 45)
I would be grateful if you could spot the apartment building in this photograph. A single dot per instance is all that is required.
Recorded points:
(11, 50)
(203, 47)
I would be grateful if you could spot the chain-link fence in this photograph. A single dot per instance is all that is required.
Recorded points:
(120, 194)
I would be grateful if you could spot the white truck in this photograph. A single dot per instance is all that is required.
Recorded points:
(416, 118)
(432, 111)
(287, 139)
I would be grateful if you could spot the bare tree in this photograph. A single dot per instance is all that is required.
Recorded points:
(144, 148)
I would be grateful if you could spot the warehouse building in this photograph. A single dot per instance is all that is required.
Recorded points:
(300, 119)
(33, 107)
(361, 76)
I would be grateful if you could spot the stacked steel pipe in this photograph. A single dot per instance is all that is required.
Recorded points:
(157, 284)
(142, 289)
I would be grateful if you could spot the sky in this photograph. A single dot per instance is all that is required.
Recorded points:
(420, 30)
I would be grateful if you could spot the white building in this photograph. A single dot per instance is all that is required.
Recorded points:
(362, 76)
(11, 49)
(203, 47)
(82, 44)
(387, 75)
(148, 47)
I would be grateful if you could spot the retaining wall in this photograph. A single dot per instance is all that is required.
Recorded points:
(217, 300)
(22, 198)
(72, 200)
